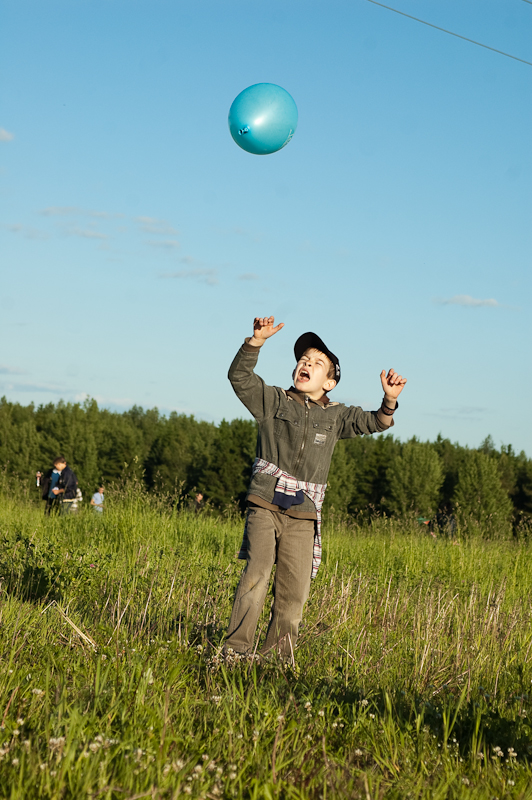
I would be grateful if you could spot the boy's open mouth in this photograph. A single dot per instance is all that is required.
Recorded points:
(303, 375)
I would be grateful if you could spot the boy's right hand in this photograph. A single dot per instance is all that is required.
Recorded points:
(263, 328)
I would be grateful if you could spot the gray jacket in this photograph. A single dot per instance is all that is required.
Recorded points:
(295, 433)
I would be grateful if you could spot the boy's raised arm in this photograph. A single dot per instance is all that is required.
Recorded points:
(392, 384)
(260, 399)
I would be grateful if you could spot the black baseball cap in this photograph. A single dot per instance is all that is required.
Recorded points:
(311, 341)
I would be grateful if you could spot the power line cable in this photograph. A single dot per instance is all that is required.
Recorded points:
(528, 1)
(508, 55)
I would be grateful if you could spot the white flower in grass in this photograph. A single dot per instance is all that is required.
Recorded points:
(187, 789)
(308, 704)
(27, 744)
(53, 773)
(240, 736)
(16, 732)
(512, 753)
(232, 776)
(465, 781)
(42, 766)
(321, 713)
(94, 747)
(358, 752)
(198, 768)
(334, 725)
(511, 783)
(364, 702)
(37, 692)
(205, 757)
(20, 721)
(15, 762)
(216, 698)
(372, 716)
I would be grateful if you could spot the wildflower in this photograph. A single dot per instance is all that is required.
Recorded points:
(94, 747)
(216, 698)
(16, 732)
(27, 744)
(232, 767)
(232, 776)
(205, 757)
(15, 762)
(219, 771)
(364, 702)
(335, 725)
(465, 781)
(321, 713)
(187, 790)
(280, 718)
(512, 753)
(37, 692)
(53, 773)
(358, 752)
(511, 783)
(104, 657)
(20, 721)
(56, 743)
(308, 704)
(42, 766)
(308, 737)
(198, 768)
(179, 764)
(166, 769)
(372, 716)
(256, 735)
(239, 736)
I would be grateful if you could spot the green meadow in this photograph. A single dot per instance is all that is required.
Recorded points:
(412, 674)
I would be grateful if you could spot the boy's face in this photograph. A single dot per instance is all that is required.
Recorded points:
(310, 374)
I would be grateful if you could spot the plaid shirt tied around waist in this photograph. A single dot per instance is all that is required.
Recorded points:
(288, 485)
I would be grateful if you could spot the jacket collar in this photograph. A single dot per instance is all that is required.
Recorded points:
(299, 397)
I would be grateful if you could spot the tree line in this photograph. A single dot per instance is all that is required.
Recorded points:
(369, 475)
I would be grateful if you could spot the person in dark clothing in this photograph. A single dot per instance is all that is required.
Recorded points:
(59, 486)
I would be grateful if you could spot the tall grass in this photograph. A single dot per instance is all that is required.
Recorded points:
(412, 676)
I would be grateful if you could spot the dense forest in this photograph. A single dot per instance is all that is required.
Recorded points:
(172, 453)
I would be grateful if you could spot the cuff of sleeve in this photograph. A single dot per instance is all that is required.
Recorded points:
(384, 423)
(250, 348)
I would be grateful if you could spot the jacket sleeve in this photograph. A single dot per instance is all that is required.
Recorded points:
(356, 422)
(260, 399)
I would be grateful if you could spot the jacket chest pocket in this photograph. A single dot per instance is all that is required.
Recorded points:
(286, 425)
(322, 433)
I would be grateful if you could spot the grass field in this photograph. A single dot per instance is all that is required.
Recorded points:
(412, 679)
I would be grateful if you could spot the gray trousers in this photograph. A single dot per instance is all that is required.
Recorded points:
(272, 537)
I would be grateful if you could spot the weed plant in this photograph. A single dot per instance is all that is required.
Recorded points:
(412, 674)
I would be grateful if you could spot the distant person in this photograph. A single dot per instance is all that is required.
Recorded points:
(97, 500)
(59, 486)
(199, 503)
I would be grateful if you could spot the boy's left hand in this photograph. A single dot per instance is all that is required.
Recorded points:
(392, 383)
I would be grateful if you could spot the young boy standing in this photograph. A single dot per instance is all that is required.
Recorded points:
(298, 429)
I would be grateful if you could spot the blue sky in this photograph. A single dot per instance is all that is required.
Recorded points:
(138, 241)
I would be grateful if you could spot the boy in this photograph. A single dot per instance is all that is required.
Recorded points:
(298, 430)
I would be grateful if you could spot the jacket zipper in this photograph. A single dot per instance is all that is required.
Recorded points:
(296, 465)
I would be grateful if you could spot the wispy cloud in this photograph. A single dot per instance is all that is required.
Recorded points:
(5, 136)
(165, 244)
(31, 387)
(154, 225)
(248, 276)
(10, 370)
(86, 233)
(208, 276)
(26, 231)
(76, 211)
(468, 301)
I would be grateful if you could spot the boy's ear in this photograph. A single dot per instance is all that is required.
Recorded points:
(329, 385)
